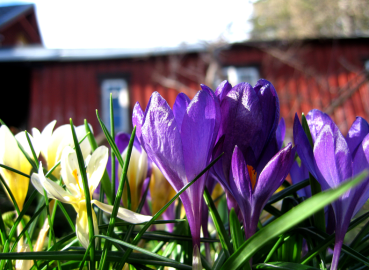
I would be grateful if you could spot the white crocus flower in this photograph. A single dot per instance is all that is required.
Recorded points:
(52, 143)
(74, 193)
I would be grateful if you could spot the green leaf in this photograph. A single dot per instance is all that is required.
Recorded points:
(346, 249)
(114, 213)
(284, 266)
(78, 256)
(223, 235)
(14, 170)
(324, 244)
(235, 228)
(105, 181)
(287, 221)
(288, 191)
(114, 148)
(82, 169)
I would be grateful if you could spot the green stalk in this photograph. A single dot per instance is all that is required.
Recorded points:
(114, 213)
(105, 181)
(112, 134)
(117, 155)
(86, 190)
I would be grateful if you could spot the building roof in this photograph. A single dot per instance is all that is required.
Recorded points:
(38, 53)
(12, 12)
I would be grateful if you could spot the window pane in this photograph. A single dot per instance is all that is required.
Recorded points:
(119, 90)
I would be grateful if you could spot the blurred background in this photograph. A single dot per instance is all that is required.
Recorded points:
(62, 59)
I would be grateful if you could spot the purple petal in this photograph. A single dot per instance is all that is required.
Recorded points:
(217, 113)
(365, 145)
(179, 108)
(162, 142)
(241, 124)
(273, 175)
(197, 133)
(223, 89)
(333, 157)
(270, 149)
(137, 120)
(316, 120)
(357, 132)
(299, 174)
(122, 141)
(304, 148)
(280, 133)
(240, 181)
(360, 163)
(269, 105)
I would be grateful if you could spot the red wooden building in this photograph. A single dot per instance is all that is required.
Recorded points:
(328, 74)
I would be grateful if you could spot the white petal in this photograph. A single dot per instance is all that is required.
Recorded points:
(22, 139)
(55, 145)
(35, 179)
(9, 151)
(125, 214)
(69, 164)
(96, 167)
(46, 137)
(53, 189)
(37, 141)
(82, 229)
(85, 145)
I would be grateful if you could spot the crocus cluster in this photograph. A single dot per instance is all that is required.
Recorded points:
(241, 124)
(333, 160)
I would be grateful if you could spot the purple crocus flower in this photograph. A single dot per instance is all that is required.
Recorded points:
(298, 174)
(180, 142)
(252, 167)
(333, 160)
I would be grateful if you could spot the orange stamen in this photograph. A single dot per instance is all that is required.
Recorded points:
(252, 174)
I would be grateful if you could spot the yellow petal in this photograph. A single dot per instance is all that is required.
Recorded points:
(136, 174)
(11, 155)
(160, 189)
(82, 230)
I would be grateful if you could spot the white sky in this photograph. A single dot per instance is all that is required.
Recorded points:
(139, 24)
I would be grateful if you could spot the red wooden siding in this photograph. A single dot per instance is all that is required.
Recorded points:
(306, 75)
(63, 90)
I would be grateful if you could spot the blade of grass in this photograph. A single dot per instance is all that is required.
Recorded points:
(112, 155)
(329, 240)
(82, 169)
(105, 181)
(14, 170)
(288, 191)
(117, 155)
(287, 221)
(34, 216)
(113, 216)
(19, 219)
(223, 235)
